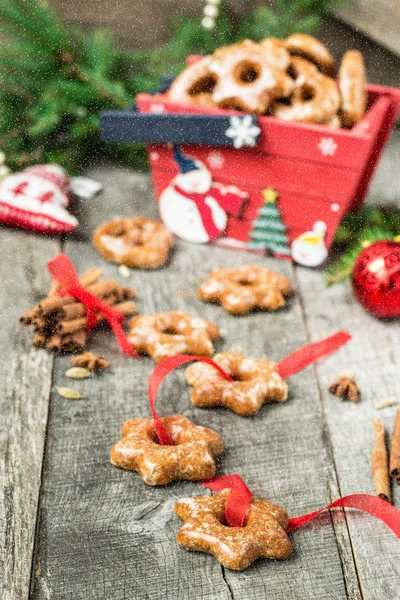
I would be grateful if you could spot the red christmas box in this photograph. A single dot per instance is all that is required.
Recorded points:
(256, 183)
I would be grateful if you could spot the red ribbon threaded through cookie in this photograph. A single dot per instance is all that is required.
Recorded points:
(157, 377)
(63, 271)
(240, 497)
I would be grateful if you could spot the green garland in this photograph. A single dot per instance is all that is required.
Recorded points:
(55, 79)
(369, 224)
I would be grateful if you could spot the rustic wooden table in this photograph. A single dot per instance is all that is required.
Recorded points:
(74, 527)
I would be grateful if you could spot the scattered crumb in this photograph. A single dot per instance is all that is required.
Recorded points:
(347, 374)
(284, 340)
(386, 403)
(124, 271)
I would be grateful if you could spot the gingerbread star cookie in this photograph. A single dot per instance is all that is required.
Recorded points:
(255, 382)
(171, 333)
(192, 457)
(244, 289)
(262, 536)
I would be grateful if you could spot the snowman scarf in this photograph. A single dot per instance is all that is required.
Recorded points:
(230, 199)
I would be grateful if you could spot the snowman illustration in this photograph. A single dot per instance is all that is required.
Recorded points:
(309, 248)
(193, 206)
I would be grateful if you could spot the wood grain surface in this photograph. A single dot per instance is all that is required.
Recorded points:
(25, 377)
(101, 533)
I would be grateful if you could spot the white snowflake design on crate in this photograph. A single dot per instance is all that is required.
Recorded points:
(327, 146)
(216, 160)
(243, 131)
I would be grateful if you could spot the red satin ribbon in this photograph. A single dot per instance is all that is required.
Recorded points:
(308, 354)
(205, 212)
(157, 377)
(239, 499)
(370, 504)
(62, 270)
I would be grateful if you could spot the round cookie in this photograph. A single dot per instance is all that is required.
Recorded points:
(134, 241)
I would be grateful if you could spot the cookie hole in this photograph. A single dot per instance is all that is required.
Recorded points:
(170, 330)
(247, 72)
(120, 232)
(244, 282)
(204, 85)
(307, 93)
(231, 104)
(292, 72)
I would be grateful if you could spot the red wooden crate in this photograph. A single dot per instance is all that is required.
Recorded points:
(319, 173)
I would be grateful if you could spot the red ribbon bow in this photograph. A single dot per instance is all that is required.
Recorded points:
(63, 271)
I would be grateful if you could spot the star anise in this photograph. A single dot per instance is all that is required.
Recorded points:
(345, 388)
(90, 361)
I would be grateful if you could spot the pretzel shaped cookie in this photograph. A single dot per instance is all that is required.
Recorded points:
(170, 333)
(245, 288)
(352, 81)
(191, 458)
(195, 84)
(315, 99)
(255, 382)
(245, 78)
(276, 53)
(134, 242)
(262, 536)
(308, 47)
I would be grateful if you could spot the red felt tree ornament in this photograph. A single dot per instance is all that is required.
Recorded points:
(376, 279)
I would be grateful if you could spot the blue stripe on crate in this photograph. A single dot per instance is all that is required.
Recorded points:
(200, 130)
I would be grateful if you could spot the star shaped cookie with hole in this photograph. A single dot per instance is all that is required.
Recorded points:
(255, 382)
(192, 458)
(241, 290)
(170, 333)
(262, 536)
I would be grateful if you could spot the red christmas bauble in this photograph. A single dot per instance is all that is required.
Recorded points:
(376, 279)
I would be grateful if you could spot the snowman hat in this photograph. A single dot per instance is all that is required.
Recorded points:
(185, 163)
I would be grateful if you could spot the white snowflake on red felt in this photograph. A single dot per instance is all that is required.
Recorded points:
(216, 160)
(154, 156)
(157, 109)
(327, 146)
(335, 207)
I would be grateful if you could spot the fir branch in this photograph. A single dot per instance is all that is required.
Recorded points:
(55, 79)
(369, 224)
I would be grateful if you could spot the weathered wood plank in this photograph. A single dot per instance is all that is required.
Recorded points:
(374, 355)
(26, 376)
(102, 531)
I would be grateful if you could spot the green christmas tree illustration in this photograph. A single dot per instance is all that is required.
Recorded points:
(269, 231)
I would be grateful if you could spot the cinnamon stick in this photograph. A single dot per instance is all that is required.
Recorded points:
(74, 342)
(27, 318)
(56, 303)
(395, 450)
(127, 308)
(379, 461)
(50, 325)
(54, 343)
(39, 340)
